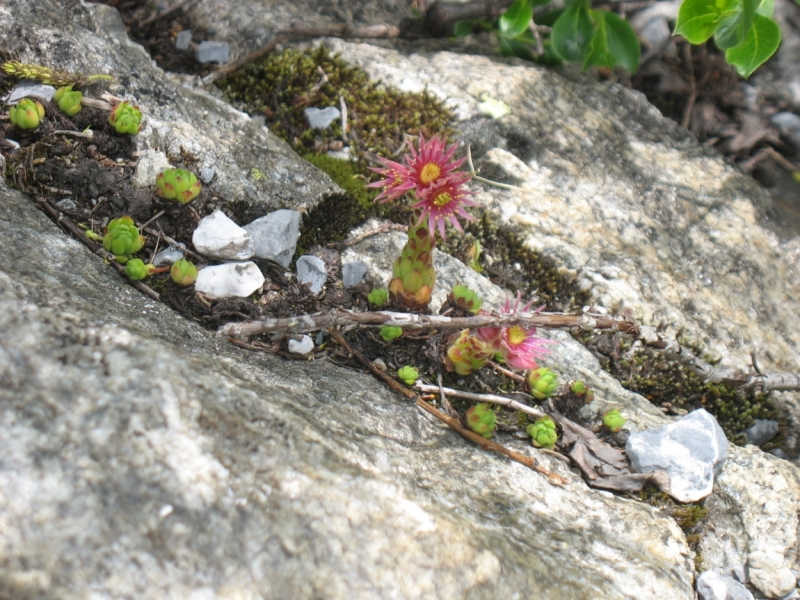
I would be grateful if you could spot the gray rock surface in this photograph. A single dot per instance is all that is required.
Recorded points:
(275, 235)
(311, 270)
(217, 236)
(168, 256)
(145, 458)
(213, 52)
(713, 586)
(183, 40)
(151, 163)
(229, 280)
(761, 431)
(692, 451)
(353, 273)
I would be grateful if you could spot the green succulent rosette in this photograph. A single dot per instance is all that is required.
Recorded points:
(26, 114)
(136, 269)
(378, 297)
(413, 274)
(542, 382)
(408, 374)
(465, 298)
(69, 102)
(126, 118)
(482, 420)
(123, 239)
(183, 272)
(177, 184)
(614, 420)
(543, 433)
(467, 353)
(389, 333)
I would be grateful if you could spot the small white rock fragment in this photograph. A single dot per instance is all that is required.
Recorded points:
(691, 450)
(27, 88)
(168, 256)
(275, 235)
(216, 52)
(768, 575)
(151, 163)
(207, 174)
(713, 586)
(311, 270)
(302, 346)
(321, 118)
(218, 237)
(353, 272)
(184, 39)
(229, 280)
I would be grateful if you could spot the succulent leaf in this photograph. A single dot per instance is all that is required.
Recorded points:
(183, 272)
(481, 419)
(543, 382)
(126, 118)
(177, 184)
(543, 433)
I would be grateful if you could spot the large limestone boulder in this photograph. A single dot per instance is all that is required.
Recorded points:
(144, 457)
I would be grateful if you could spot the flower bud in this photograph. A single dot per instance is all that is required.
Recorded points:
(481, 419)
(614, 420)
(408, 374)
(543, 382)
(126, 118)
(177, 184)
(465, 298)
(389, 333)
(183, 272)
(543, 433)
(26, 114)
(69, 102)
(378, 297)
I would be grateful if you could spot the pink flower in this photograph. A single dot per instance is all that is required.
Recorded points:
(519, 347)
(431, 175)
(444, 202)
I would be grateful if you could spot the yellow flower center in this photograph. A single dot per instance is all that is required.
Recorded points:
(430, 173)
(516, 335)
(442, 199)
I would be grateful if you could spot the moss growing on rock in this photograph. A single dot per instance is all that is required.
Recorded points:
(282, 86)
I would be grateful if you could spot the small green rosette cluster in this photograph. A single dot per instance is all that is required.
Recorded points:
(69, 102)
(26, 114)
(581, 390)
(126, 118)
(136, 269)
(177, 184)
(543, 433)
(389, 333)
(123, 239)
(465, 298)
(413, 274)
(542, 382)
(467, 353)
(408, 374)
(614, 420)
(378, 297)
(482, 420)
(183, 272)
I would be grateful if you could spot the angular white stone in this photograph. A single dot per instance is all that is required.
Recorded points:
(229, 280)
(321, 118)
(353, 272)
(218, 237)
(769, 575)
(690, 450)
(713, 586)
(302, 346)
(275, 236)
(311, 270)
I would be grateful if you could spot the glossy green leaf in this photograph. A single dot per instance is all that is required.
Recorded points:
(515, 47)
(516, 19)
(573, 32)
(463, 28)
(623, 43)
(698, 19)
(734, 26)
(597, 54)
(762, 41)
(767, 7)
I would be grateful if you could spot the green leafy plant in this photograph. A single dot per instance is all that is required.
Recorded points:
(543, 382)
(69, 102)
(177, 184)
(481, 419)
(123, 239)
(126, 118)
(389, 333)
(543, 433)
(183, 272)
(581, 390)
(136, 269)
(408, 374)
(614, 420)
(744, 29)
(26, 114)
(378, 297)
(465, 298)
